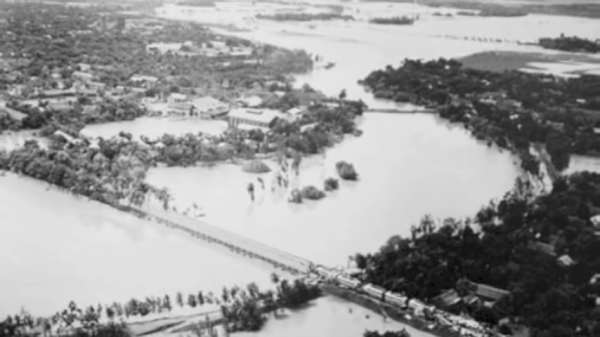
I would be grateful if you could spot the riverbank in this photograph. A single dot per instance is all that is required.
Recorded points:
(502, 108)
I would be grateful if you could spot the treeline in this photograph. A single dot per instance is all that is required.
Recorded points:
(242, 309)
(570, 43)
(304, 16)
(520, 244)
(401, 333)
(46, 118)
(510, 109)
(398, 20)
(108, 172)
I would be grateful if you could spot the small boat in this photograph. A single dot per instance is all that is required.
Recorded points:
(329, 65)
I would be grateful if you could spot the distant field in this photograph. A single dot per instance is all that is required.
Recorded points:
(582, 8)
(502, 60)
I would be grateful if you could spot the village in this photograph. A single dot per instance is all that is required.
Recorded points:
(176, 71)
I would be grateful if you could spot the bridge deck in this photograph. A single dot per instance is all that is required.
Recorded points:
(236, 243)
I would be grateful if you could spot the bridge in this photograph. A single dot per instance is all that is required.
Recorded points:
(236, 243)
(279, 259)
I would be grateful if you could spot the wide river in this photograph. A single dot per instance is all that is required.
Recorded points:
(55, 247)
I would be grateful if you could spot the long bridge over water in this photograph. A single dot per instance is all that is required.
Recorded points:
(284, 261)
(236, 243)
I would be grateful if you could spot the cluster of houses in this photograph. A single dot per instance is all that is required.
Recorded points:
(244, 113)
(86, 84)
(469, 294)
(213, 48)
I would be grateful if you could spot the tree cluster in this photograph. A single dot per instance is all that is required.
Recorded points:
(501, 249)
(510, 109)
(570, 43)
(304, 16)
(397, 20)
(243, 309)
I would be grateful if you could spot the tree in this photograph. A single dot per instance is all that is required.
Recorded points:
(225, 295)
(200, 298)
(167, 303)
(192, 301)
(274, 278)
(180, 299)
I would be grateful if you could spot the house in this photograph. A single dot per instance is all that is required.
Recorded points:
(542, 247)
(146, 81)
(179, 104)
(11, 113)
(84, 67)
(490, 293)
(254, 117)
(209, 107)
(251, 102)
(296, 113)
(56, 93)
(96, 85)
(82, 76)
(565, 261)
(308, 127)
(447, 299)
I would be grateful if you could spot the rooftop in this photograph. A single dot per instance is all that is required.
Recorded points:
(448, 298)
(486, 291)
(265, 116)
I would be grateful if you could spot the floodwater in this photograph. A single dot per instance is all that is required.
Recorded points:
(327, 317)
(156, 127)
(409, 165)
(56, 247)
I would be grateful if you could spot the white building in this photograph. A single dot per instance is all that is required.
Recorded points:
(179, 104)
(253, 117)
(209, 107)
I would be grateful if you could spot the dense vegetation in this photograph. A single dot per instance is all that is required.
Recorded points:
(398, 20)
(43, 45)
(500, 248)
(510, 109)
(401, 333)
(572, 43)
(243, 309)
(304, 17)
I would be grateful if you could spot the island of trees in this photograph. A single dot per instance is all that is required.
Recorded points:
(570, 43)
(397, 20)
(304, 16)
(513, 110)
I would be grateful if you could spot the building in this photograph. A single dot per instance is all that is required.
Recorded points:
(565, 261)
(96, 85)
(253, 117)
(209, 107)
(296, 113)
(542, 247)
(489, 293)
(146, 81)
(56, 93)
(447, 299)
(251, 102)
(179, 104)
(84, 67)
(82, 76)
(11, 113)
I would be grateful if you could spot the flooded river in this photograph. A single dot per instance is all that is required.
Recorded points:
(409, 165)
